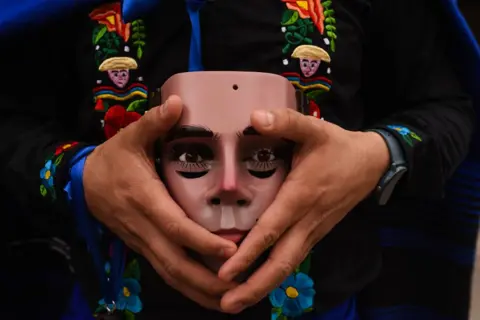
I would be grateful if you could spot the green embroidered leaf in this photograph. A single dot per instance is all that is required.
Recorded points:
(138, 36)
(98, 34)
(329, 12)
(313, 95)
(43, 191)
(59, 159)
(289, 17)
(137, 23)
(282, 317)
(408, 140)
(132, 270)
(327, 4)
(139, 52)
(139, 43)
(331, 28)
(129, 315)
(100, 308)
(305, 265)
(331, 35)
(415, 136)
(138, 106)
(332, 45)
(331, 20)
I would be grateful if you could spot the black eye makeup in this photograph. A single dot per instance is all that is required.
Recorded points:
(263, 162)
(191, 160)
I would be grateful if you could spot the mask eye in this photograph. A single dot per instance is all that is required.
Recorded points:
(192, 160)
(263, 163)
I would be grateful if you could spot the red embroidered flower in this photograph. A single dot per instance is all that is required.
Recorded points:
(312, 9)
(64, 147)
(117, 118)
(110, 16)
(314, 110)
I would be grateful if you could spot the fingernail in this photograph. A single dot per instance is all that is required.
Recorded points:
(265, 118)
(164, 108)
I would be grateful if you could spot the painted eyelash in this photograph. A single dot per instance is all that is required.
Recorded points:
(188, 166)
(262, 166)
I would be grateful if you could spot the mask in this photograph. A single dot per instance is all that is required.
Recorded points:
(218, 169)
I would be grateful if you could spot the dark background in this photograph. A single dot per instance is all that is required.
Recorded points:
(35, 280)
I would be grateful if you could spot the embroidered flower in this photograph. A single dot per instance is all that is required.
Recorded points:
(128, 299)
(294, 296)
(406, 134)
(312, 9)
(65, 147)
(47, 173)
(117, 118)
(110, 16)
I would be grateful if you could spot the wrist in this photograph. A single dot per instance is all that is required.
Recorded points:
(377, 153)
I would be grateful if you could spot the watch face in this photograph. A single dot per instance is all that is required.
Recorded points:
(387, 186)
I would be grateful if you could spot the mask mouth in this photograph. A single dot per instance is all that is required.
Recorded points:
(234, 235)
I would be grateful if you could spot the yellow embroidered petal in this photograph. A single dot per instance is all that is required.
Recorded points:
(126, 292)
(291, 292)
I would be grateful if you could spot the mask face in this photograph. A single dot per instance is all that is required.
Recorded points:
(219, 170)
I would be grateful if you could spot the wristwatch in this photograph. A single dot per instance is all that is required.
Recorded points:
(398, 167)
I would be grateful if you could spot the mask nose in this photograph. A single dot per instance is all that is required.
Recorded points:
(229, 191)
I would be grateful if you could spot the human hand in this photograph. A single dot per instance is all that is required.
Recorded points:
(124, 192)
(332, 171)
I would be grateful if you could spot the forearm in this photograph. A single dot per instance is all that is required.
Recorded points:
(416, 94)
(435, 138)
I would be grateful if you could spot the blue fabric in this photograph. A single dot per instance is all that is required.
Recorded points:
(195, 57)
(78, 308)
(87, 229)
(134, 9)
(20, 13)
(345, 311)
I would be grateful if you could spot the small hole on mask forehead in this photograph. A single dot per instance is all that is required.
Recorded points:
(235, 87)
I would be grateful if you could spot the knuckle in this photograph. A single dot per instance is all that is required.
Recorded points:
(285, 268)
(270, 237)
(171, 270)
(173, 229)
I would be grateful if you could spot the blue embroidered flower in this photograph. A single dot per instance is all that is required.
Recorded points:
(128, 298)
(47, 173)
(294, 296)
(405, 132)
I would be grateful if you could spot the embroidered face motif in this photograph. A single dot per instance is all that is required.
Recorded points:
(309, 66)
(119, 77)
(217, 167)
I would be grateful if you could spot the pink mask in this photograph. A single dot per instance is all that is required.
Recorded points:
(220, 171)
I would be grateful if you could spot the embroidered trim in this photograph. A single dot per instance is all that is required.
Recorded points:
(407, 135)
(299, 23)
(47, 173)
(128, 300)
(117, 88)
(295, 296)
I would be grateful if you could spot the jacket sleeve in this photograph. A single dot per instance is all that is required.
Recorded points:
(39, 104)
(432, 116)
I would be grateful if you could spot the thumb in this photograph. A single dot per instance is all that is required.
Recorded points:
(287, 124)
(155, 123)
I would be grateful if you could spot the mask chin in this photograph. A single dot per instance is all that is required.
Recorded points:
(214, 263)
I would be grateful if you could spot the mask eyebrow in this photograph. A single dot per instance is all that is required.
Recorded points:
(248, 131)
(191, 131)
